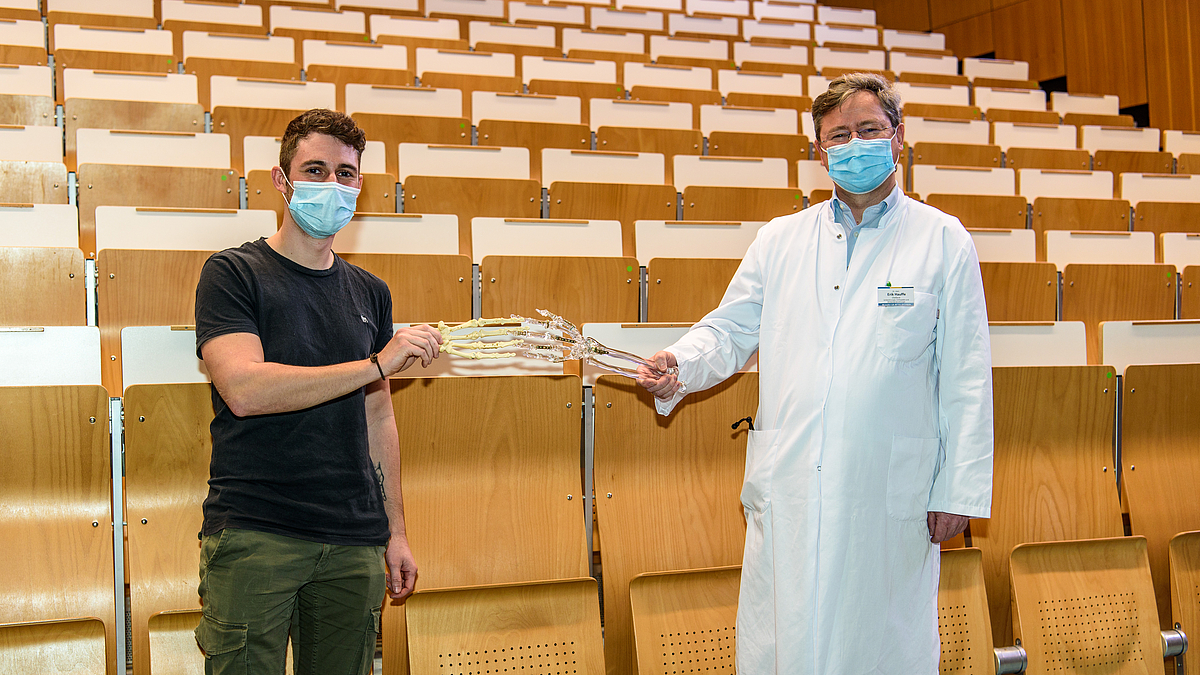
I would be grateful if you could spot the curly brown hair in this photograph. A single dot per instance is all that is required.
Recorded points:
(319, 121)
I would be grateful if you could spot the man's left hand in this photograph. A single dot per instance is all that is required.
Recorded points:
(401, 568)
(943, 526)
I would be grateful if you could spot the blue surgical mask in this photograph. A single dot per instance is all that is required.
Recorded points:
(321, 209)
(861, 165)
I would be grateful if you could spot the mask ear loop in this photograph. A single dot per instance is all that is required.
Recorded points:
(289, 184)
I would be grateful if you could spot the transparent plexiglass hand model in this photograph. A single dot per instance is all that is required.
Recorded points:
(551, 338)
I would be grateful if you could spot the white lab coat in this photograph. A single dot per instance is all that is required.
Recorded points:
(869, 416)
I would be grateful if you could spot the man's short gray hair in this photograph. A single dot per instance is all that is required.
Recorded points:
(850, 84)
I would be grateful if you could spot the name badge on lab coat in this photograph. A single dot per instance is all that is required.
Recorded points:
(896, 296)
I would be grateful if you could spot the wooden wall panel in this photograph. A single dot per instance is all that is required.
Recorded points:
(946, 12)
(1104, 43)
(903, 14)
(1172, 56)
(1031, 30)
(971, 37)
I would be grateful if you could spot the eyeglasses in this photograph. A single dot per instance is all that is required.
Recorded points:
(868, 133)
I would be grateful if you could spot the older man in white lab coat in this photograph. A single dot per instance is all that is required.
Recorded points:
(873, 439)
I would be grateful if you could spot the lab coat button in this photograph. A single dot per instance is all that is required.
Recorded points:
(836, 287)
(839, 236)
(818, 467)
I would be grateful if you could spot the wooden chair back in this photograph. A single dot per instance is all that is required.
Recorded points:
(979, 211)
(547, 626)
(1185, 578)
(71, 645)
(580, 289)
(686, 620)
(143, 288)
(956, 154)
(470, 198)
(667, 142)
(142, 115)
(963, 621)
(1020, 291)
(1053, 439)
(393, 130)
(238, 123)
(24, 182)
(536, 136)
(22, 109)
(709, 202)
(1086, 606)
(1095, 293)
(1158, 434)
(167, 452)
(685, 289)
(149, 186)
(1189, 301)
(1067, 213)
(56, 522)
(444, 291)
(515, 451)
(661, 472)
(791, 147)
(1160, 217)
(586, 91)
(42, 287)
(624, 202)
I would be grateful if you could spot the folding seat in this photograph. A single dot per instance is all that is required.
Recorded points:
(180, 16)
(691, 610)
(1006, 246)
(151, 169)
(1137, 187)
(530, 121)
(792, 147)
(1005, 83)
(831, 73)
(843, 35)
(39, 225)
(23, 182)
(739, 8)
(1181, 142)
(811, 177)
(41, 266)
(945, 130)
(25, 10)
(316, 23)
(1040, 136)
(918, 63)
(689, 84)
(26, 93)
(556, 16)
(645, 21)
(521, 433)
(754, 56)
(239, 107)
(1020, 291)
(573, 267)
(1049, 343)
(260, 56)
(602, 166)
(1096, 138)
(1093, 119)
(397, 115)
(956, 154)
(849, 58)
(374, 8)
(624, 202)
(1129, 345)
(928, 179)
(143, 50)
(938, 110)
(49, 356)
(417, 31)
(801, 104)
(1076, 214)
(115, 100)
(1023, 116)
(785, 11)
(1168, 217)
(468, 71)
(1008, 98)
(57, 524)
(1079, 604)
(936, 94)
(518, 39)
(754, 172)
(646, 126)
(366, 63)
(718, 203)
(635, 338)
(1054, 438)
(787, 33)
(998, 68)
(689, 264)
(1124, 291)
(118, 14)
(1034, 183)
(558, 69)
(588, 42)
(1185, 572)
(1047, 158)
(1133, 161)
(706, 26)
(750, 82)
(1098, 247)
(982, 212)
(22, 42)
(748, 120)
(963, 622)
(710, 54)
(903, 39)
(662, 5)
(1093, 104)
(31, 143)
(696, 465)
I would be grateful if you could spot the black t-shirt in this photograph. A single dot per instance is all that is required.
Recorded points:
(305, 474)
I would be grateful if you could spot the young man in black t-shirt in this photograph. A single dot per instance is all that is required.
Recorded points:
(304, 520)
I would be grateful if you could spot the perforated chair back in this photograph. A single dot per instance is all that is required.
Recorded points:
(963, 622)
(686, 620)
(1185, 576)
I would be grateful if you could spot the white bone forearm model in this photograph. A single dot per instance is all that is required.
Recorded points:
(551, 339)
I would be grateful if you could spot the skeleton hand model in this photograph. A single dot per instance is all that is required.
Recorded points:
(552, 338)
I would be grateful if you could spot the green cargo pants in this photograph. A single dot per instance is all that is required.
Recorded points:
(256, 588)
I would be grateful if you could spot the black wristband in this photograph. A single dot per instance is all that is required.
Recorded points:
(375, 359)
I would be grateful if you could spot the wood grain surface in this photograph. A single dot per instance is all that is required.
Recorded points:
(42, 287)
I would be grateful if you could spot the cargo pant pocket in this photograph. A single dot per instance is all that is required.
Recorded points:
(224, 645)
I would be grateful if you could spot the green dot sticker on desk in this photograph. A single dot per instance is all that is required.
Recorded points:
(224, 177)
(629, 268)
(1109, 375)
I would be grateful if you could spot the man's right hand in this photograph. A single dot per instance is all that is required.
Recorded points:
(661, 379)
(408, 346)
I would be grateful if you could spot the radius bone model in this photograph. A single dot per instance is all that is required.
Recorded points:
(552, 339)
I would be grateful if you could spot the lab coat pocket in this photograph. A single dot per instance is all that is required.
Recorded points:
(762, 448)
(910, 476)
(904, 333)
